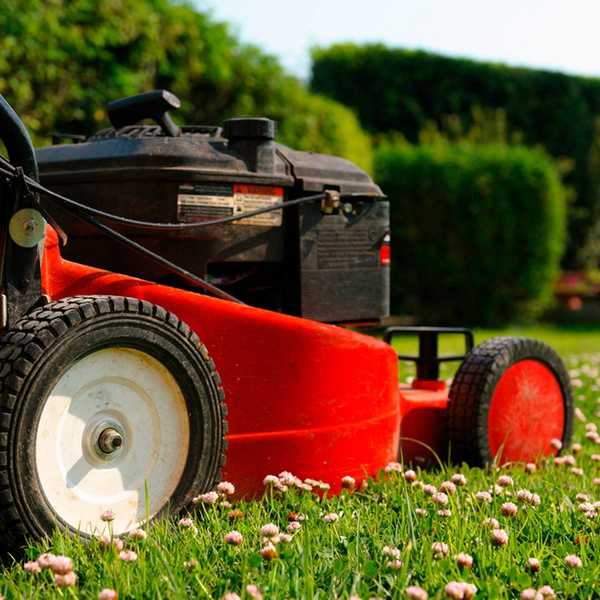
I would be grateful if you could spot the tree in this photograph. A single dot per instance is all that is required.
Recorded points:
(61, 61)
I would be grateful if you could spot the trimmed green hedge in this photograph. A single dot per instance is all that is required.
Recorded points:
(394, 89)
(477, 231)
(61, 61)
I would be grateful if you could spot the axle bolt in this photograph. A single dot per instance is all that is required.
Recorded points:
(110, 440)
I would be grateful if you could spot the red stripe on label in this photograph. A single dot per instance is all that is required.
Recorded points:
(263, 190)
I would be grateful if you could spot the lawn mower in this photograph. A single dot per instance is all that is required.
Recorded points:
(174, 296)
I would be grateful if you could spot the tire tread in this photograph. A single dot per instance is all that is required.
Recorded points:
(22, 346)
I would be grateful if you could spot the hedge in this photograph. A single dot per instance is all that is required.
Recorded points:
(61, 61)
(477, 231)
(394, 89)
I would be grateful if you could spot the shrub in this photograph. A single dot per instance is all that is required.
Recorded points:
(62, 61)
(394, 89)
(477, 231)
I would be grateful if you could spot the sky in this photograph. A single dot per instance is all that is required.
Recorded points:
(560, 35)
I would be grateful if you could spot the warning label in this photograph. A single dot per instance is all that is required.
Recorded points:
(205, 202)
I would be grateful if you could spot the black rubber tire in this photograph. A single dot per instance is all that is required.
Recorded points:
(473, 387)
(44, 344)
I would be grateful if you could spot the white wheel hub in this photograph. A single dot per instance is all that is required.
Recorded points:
(113, 435)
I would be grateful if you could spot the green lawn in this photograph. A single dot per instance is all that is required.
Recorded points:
(346, 557)
(565, 340)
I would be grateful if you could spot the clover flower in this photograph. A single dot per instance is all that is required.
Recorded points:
(108, 541)
(440, 549)
(32, 566)
(491, 523)
(545, 593)
(448, 488)
(410, 476)
(573, 561)
(458, 479)
(61, 565)
(269, 530)
(504, 481)
(235, 538)
(270, 480)
(524, 495)
(108, 594)
(464, 561)
(331, 517)
(45, 560)
(128, 556)
(348, 483)
(391, 551)
(268, 551)
(533, 565)
(460, 590)
(254, 592)
(414, 592)
(208, 498)
(107, 516)
(187, 523)
(293, 526)
(509, 509)
(226, 487)
(138, 534)
(440, 498)
(289, 479)
(67, 580)
(393, 467)
(499, 537)
(483, 496)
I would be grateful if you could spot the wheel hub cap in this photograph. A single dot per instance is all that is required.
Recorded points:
(113, 434)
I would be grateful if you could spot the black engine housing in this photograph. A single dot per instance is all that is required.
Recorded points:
(305, 260)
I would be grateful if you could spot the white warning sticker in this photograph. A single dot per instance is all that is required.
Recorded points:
(204, 202)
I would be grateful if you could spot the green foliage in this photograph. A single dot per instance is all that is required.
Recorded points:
(405, 91)
(61, 61)
(477, 230)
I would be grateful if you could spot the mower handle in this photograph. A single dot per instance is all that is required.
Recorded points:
(17, 141)
(149, 105)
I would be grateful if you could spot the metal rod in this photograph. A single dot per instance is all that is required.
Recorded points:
(186, 275)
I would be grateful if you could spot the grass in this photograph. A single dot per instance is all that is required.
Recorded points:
(345, 557)
(566, 341)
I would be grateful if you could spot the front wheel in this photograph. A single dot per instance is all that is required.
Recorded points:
(109, 406)
(509, 400)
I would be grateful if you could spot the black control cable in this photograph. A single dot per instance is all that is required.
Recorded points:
(88, 215)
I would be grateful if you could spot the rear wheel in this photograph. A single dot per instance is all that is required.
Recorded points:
(509, 400)
(107, 404)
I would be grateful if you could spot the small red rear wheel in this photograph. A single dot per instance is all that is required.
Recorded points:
(509, 400)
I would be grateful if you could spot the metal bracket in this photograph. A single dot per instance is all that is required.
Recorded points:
(428, 361)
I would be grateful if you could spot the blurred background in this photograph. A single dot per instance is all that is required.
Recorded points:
(481, 121)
